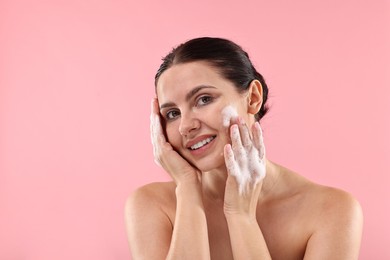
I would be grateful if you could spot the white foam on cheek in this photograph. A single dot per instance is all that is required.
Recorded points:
(228, 113)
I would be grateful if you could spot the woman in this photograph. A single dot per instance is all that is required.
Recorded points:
(227, 200)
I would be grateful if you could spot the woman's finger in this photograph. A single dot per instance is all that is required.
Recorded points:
(156, 132)
(156, 122)
(245, 134)
(258, 139)
(230, 163)
(241, 176)
(155, 108)
(238, 149)
(235, 137)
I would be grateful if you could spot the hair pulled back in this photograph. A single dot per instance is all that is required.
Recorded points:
(231, 61)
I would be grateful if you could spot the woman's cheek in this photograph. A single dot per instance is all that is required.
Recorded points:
(171, 133)
(228, 113)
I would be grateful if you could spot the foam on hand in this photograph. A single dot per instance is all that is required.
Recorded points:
(155, 133)
(248, 166)
(228, 113)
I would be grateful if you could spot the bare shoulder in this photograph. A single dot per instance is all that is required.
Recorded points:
(334, 218)
(337, 230)
(328, 201)
(154, 194)
(148, 219)
(334, 204)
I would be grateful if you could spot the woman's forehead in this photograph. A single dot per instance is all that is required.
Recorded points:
(189, 72)
(186, 76)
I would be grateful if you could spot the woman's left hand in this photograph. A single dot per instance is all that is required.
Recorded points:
(246, 166)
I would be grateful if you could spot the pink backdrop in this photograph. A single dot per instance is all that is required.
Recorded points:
(76, 79)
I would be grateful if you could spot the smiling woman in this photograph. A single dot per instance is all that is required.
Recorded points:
(227, 200)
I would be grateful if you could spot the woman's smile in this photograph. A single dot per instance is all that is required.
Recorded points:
(201, 144)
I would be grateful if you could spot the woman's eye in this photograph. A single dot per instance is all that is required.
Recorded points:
(204, 100)
(172, 114)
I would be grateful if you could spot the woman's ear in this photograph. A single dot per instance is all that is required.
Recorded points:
(255, 97)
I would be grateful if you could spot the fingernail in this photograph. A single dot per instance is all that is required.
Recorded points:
(235, 132)
(228, 148)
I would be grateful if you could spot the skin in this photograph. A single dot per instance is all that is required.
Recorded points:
(202, 214)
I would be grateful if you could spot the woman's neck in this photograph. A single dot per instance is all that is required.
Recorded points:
(213, 184)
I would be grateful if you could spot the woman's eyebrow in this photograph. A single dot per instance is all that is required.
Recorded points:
(188, 96)
(196, 90)
(170, 104)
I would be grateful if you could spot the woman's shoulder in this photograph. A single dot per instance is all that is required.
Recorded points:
(334, 203)
(330, 218)
(320, 194)
(156, 192)
(325, 202)
(148, 214)
(152, 197)
(330, 200)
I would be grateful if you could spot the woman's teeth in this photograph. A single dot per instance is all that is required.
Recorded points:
(202, 143)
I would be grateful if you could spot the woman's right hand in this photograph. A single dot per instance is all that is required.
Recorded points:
(178, 168)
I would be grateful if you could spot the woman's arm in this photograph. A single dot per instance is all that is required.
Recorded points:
(190, 237)
(148, 227)
(337, 232)
(246, 238)
(245, 162)
(150, 231)
(148, 224)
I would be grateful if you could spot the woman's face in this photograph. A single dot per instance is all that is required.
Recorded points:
(191, 98)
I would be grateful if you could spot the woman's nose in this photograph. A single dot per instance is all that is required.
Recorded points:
(188, 124)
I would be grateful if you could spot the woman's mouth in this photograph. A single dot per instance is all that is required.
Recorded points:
(202, 143)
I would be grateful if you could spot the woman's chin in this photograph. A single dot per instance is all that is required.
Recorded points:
(209, 165)
(209, 162)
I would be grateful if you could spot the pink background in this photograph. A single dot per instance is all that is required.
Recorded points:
(76, 80)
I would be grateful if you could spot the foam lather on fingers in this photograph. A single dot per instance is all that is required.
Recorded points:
(252, 173)
(228, 113)
(155, 131)
(246, 163)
